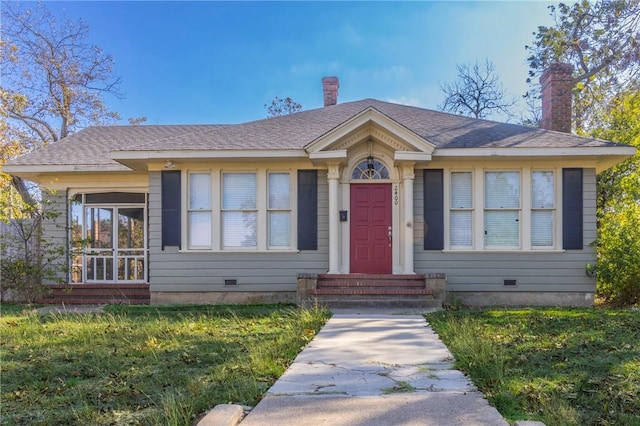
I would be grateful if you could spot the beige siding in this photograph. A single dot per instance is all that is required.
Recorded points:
(534, 272)
(171, 270)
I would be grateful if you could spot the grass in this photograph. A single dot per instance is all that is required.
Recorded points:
(144, 365)
(399, 387)
(559, 366)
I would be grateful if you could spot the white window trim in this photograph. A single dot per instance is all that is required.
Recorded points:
(261, 208)
(556, 219)
(189, 210)
(270, 210)
(451, 209)
(260, 224)
(520, 209)
(524, 211)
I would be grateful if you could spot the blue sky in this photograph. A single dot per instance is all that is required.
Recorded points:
(220, 62)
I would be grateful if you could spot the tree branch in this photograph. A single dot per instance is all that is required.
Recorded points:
(27, 120)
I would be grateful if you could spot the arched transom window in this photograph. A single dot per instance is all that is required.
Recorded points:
(370, 169)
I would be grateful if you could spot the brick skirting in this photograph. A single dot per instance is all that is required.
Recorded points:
(96, 294)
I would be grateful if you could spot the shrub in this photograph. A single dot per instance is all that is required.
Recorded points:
(618, 256)
(26, 256)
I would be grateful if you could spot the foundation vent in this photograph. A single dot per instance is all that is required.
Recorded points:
(510, 282)
(230, 282)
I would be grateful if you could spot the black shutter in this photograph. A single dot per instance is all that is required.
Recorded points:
(307, 209)
(433, 210)
(572, 209)
(171, 226)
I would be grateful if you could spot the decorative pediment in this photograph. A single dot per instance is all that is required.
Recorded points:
(369, 124)
(372, 131)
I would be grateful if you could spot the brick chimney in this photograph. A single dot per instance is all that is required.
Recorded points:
(557, 85)
(330, 89)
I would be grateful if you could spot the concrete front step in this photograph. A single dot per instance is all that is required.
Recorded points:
(365, 290)
(368, 290)
(371, 277)
(377, 302)
(370, 283)
(373, 291)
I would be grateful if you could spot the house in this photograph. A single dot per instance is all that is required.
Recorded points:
(244, 212)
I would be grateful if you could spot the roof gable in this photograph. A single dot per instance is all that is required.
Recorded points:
(370, 123)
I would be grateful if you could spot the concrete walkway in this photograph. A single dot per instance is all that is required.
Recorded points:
(71, 309)
(373, 368)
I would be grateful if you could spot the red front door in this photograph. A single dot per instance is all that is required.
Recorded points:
(371, 228)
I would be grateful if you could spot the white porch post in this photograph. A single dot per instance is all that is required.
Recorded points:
(333, 174)
(407, 179)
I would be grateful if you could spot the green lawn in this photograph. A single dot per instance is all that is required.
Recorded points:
(559, 366)
(144, 365)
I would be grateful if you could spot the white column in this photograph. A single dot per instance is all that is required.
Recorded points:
(333, 175)
(407, 179)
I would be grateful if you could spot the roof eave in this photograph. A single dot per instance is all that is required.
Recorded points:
(603, 157)
(139, 160)
(32, 172)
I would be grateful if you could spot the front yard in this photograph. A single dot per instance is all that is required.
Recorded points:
(170, 364)
(144, 365)
(559, 366)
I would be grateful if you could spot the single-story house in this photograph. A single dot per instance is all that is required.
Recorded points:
(240, 212)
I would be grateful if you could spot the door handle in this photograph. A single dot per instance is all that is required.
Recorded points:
(390, 234)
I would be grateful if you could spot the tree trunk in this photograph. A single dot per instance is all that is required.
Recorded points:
(20, 186)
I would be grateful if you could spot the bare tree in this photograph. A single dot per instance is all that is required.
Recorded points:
(279, 106)
(533, 111)
(53, 79)
(477, 93)
(136, 121)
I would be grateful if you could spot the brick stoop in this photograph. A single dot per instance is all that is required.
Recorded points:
(97, 294)
(344, 290)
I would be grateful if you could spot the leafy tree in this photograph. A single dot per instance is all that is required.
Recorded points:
(27, 256)
(279, 106)
(601, 40)
(53, 81)
(618, 248)
(477, 93)
(618, 242)
(10, 147)
(620, 185)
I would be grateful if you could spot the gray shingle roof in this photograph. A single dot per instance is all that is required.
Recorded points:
(92, 146)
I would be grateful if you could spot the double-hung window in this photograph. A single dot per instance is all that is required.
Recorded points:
(239, 210)
(279, 211)
(542, 208)
(461, 210)
(199, 210)
(502, 209)
(519, 210)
